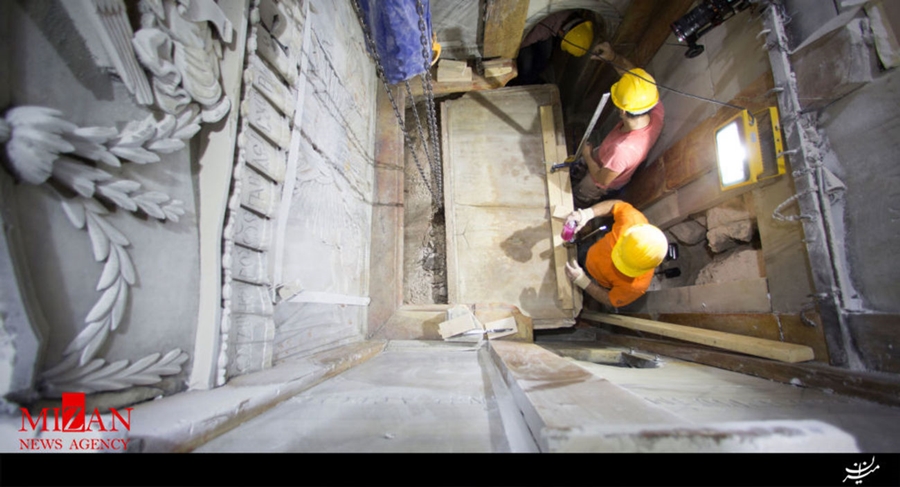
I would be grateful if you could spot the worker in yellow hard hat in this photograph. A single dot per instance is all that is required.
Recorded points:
(621, 264)
(611, 164)
(575, 34)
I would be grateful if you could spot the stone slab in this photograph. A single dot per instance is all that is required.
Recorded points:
(416, 397)
(185, 421)
(499, 246)
(745, 296)
(554, 394)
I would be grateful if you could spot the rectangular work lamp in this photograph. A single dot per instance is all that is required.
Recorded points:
(749, 148)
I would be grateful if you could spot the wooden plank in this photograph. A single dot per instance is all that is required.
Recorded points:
(759, 325)
(785, 352)
(882, 388)
(504, 24)
(477, 83)
(556, 198)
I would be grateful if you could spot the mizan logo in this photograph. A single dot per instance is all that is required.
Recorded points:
(72, 417)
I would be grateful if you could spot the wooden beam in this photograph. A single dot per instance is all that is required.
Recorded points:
(477, 83)
(882, 388)
(785, 352)
(504, 24)
(557, 197)
(658, 29)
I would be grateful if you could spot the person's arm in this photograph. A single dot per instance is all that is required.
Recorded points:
(604, 52)
(584, 215)
(583, 281)
(601, 175)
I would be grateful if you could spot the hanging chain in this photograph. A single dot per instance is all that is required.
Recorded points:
(436, 169)
(370, 45)
(419, 128)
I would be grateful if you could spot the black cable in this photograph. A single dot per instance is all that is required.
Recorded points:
(710, 100)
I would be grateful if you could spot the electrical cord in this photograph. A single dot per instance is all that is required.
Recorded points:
(682, 93)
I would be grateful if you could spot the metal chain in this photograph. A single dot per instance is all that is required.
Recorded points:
(436, 169)
(370, 45)
(419, 128)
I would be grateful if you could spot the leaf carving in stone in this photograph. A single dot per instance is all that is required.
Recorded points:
(33, 141)
(114, 28)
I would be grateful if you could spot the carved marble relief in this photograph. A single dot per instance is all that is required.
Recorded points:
(176, 47)
(182, 54)
(258, 193)
(266, 119)
(249, 266)
(265, 139)
(251, 230)
(268, 48)
(269, 84)
(263, 156)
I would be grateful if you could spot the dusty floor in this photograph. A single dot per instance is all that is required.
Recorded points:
(424, 254)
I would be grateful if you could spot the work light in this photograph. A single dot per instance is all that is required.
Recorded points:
(749, 148)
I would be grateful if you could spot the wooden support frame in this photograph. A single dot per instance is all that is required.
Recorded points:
(559, 199)
(760, 347)
(504, 24)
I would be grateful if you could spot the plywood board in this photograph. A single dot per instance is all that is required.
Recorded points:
(499, 236)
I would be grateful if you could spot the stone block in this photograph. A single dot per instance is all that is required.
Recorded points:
(732, 211)
(738, 266)
(727, 237)
(689, 232)
(834, 65)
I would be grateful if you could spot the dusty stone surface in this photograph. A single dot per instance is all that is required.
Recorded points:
(734, 266)
(689, 232)
(727, 236)
(424, 256)
(725, 214)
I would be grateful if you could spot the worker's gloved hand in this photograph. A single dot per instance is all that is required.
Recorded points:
(603, 52)
(580, 217)
(577, 275)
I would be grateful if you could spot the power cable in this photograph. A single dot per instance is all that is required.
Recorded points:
(682, 93)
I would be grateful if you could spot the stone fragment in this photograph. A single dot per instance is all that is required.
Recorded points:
(726, 237)
(737, 266)
(689, 232)
(723, 215)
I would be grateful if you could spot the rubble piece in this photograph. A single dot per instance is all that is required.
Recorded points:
(885, 38)
(740, 265)
(461, 325)
(448, 71)
(727, 237)
(689, 232)
(501, 328)
(725, 214)
(496, 67)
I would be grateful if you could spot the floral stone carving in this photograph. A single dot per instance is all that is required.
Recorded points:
(41, 146)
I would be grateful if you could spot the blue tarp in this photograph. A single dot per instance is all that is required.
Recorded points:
(395, 29)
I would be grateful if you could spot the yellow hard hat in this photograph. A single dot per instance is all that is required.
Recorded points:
(639, 250)
(634, 94)
(577, 40)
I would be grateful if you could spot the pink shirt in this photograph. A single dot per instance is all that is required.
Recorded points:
(623, 152)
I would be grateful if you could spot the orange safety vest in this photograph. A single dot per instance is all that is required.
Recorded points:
(623, 290)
